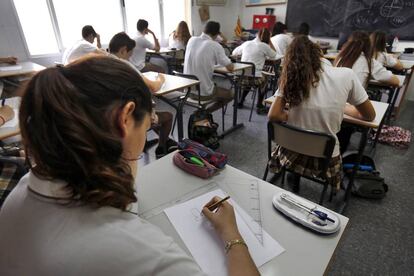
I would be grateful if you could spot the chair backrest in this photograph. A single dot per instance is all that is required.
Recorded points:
(188, 76)
(306, 142)
(251, 71)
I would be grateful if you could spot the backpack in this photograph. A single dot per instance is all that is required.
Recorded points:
(395, 136)
(368, 182)
(202, 129)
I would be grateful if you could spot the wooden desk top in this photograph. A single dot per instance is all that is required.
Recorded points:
(21, 68)
(172, 83)
(164, 51)
(407, 64)
(237, 67)
(380, 109)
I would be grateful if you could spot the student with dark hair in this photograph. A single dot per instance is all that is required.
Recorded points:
(84, 46)
(304, 28)
(280, 39)
(84, 127)
(357, 55)
(120, 47)
(315, 94)
(379, 53)
(202, 55)
(256, 51)
(142, 44)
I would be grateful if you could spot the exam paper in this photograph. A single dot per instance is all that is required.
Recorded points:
(10, 68)
(202, 241)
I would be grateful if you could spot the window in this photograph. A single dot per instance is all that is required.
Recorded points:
(104, 16)
(50, 26)
(37, 26)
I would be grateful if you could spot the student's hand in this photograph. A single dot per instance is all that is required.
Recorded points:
(223, 220)
(10, 60)
(161, 78)
(150, 32)
(7, 113)
(98, 36)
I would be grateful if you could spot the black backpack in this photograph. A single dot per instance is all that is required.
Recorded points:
(202, 129)
(367, 183)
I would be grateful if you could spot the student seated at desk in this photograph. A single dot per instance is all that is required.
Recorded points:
(280, 38)
(379, 52)
(70, 215)
(120, 47)
(256, 51)
(202, 55)
(84, 46)
(140, 50)
(179, 38)
(316, 94)
(356, 54)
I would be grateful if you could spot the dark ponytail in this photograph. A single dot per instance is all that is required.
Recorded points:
(68, 125)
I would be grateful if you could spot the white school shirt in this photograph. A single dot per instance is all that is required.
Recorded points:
(127, 62)
(77, 50)
(386, 59)
(42, 236)
(323, 111)
(201, 56)
(175, 43)
(281, 42)
(255, 51)
(378, 71)
(138, 55)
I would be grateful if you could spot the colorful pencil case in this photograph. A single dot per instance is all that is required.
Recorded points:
(217, 159)
(190, 162)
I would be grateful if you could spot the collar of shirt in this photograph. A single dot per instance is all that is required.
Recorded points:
(257, 40)
(205, 36)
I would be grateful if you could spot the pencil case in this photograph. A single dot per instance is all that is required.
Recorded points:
(190, 162)
(217, 159)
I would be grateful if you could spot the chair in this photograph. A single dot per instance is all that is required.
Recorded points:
(185, 99)
(318, 144)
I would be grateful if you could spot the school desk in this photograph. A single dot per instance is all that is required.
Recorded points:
(169, 55)
(172, 84)
(235, 77)
(10, 131)
(307, 253)
(25, 67)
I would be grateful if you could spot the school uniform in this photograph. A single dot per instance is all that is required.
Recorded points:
(201, 56)
(378, 71)
(138, 55)
(323, 111)
(175, 43)
(281, 42)
(386, 59)
(77, 50)
(43, 234)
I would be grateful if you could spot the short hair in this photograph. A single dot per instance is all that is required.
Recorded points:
(212, 28)
(87, 31)
(121, 40)
(304, 28)
(279, 28)
(142, 24)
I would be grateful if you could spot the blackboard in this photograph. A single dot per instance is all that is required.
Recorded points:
(330, 17)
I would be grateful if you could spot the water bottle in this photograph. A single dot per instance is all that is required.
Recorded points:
(395, 44)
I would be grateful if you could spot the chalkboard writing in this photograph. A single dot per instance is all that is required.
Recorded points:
(331, 17)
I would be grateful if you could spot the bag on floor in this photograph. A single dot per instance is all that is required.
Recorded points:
(202, 129)
(395, 136)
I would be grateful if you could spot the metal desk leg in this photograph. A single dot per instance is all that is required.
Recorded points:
(235, 126)
(361, 148)
(392, 103)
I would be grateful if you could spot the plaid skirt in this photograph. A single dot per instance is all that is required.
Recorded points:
(306, 165)
(249, 81)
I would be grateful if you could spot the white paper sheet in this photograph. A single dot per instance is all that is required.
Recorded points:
(13, 122)
(202, 241)
(10, 68)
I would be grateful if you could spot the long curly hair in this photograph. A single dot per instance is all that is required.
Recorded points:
(301, 69)
(68, 121)
(358, 43)
(182, 33)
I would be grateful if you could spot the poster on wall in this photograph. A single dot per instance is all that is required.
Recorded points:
(252, 3)
(211, 2)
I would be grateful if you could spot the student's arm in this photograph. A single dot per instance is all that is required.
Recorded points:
(239, 261)
(10, 60)
(238, 51)
(98, 41)
(154, 86)
(277, 112)
(6, 114)
(272, 46)
(223, 38)
(156, 42)
(398, 66)
(364, 111)
(381, 74)
(222, 59)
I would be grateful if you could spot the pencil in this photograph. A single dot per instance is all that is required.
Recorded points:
(214, 206)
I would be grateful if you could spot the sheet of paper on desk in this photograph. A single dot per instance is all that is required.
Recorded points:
(10, 68)
(204, 244)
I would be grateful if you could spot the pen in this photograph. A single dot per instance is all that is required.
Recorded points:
(214, 206)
